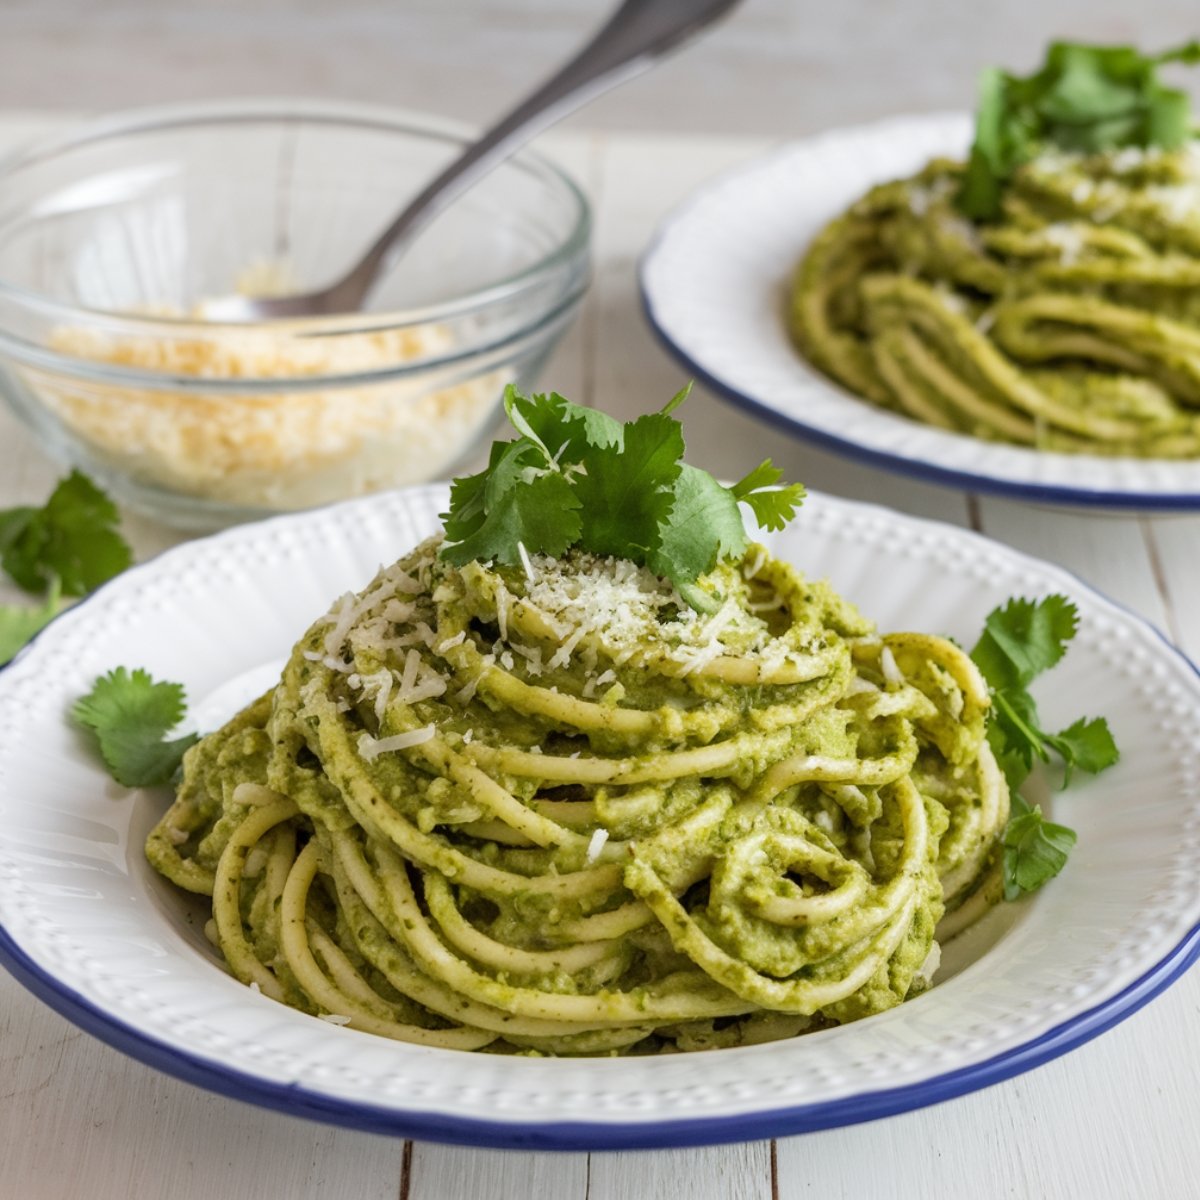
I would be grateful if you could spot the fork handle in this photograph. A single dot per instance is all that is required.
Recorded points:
(632, 40)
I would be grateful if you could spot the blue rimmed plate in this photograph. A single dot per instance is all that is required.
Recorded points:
(92, 930)
(715, 282)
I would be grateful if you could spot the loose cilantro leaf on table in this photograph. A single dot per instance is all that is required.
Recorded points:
(130, 716)
(1021, 640)
(1083, 98)
(65, 548)
(72, 538)
(577, 477)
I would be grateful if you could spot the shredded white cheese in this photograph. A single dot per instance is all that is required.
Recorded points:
(278, 449)
(891, 671)
(596, 844)
(1068, 240)
(760, 559)
(618, 608)
(370, 748)
(526, 563)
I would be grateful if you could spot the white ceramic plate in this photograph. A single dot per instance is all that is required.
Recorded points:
(715, 282)
(93, 931)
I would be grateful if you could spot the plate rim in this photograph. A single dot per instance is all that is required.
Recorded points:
(295, 1099)
(923, 469)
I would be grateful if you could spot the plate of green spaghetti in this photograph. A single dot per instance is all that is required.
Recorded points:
(1005, 304)
(619, 807)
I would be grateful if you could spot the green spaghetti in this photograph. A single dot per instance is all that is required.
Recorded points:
(1043, 294)
(554, 808)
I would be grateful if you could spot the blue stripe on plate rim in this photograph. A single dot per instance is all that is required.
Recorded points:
(922, 469)
(298, 1101)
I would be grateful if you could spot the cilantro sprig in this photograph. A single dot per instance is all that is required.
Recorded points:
(19, 622)
(130, 715)
(67, 547)
(1020, 641)
(575, 477)
(1035, 849)
(1083, 98)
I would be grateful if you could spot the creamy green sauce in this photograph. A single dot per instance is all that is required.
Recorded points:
(566, 814)
(1072, 323)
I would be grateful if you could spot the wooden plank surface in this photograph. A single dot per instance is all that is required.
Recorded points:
(1114, 1119)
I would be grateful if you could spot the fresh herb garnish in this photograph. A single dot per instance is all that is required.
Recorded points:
(1020, 641)
(19, 622)
(1084, 98)
(72, 538)
(576, 477)
(130, 716)
(65, 548)
(1034, 849)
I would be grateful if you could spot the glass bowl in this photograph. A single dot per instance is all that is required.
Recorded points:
(113, 236)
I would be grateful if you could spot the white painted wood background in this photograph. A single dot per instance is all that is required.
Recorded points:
(1114, 1120)
(773, 67)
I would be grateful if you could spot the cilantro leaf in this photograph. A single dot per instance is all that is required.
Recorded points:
(705, 525)
(1016, 735)
(1023, 639)
(1083, 98)
(467, 510)
(73, 538)
(998, 149)
(516, 503)
(19, 623)
(1035, 849)
(1088, 745)
(677, 399)
(130, 715)
(575, 477)
(1020, 640)
(626, 492)
(1014, 766)
(773, 507)
(564, 430)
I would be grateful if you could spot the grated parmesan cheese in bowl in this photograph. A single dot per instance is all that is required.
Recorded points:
(277, 448)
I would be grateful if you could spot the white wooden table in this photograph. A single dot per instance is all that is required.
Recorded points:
(1115, 1119)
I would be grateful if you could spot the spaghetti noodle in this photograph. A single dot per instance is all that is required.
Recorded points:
(1070, 323)
(552, 809)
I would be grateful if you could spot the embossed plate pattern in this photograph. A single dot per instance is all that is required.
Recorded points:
(714, 287)
(90, 929)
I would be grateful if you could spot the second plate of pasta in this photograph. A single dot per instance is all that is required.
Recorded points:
(719, 288)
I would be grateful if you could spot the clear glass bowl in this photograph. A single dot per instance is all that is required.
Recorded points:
(113, 236)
